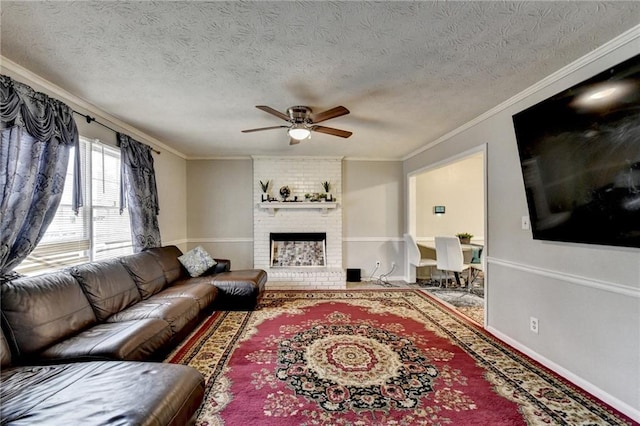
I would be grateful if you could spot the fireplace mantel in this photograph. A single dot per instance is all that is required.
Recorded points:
(273, 206)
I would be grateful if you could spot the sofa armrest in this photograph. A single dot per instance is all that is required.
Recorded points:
(223, 265)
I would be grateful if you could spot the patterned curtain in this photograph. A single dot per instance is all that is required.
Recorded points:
(138, 190)
(38, 133)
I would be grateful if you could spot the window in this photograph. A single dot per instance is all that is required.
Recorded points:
(99, 231)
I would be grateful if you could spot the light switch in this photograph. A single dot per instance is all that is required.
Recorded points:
(526, 225)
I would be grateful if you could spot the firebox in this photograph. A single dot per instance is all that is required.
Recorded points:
(298, 249)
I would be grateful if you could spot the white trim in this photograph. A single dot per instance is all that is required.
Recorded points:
(621, 40)
(569, 278)
(373, 159)
(101, 115)
(220, 240)
(372, 239)
(373, 279)
(213, 157)
(175, 242)
(450, 160)
(573, 378)
(294, 157)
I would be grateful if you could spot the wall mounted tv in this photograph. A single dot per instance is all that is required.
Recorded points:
(580, 157)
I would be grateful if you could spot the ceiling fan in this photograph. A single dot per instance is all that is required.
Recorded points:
(303, 121)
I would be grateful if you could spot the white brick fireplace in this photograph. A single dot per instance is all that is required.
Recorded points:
(302, 175)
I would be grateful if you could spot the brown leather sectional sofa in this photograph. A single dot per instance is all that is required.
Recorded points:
(76, 344)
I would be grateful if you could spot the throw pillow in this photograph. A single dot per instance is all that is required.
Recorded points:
(197, 261)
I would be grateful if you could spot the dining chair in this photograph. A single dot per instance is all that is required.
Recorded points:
(449, 258)
(415, 257)
(477, 267)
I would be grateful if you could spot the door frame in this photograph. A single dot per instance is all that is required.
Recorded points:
(411, 215)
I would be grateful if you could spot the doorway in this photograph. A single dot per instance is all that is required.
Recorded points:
(449, 198)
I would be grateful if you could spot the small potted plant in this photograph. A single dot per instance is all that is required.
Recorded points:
(326, 185)
(265, 187)
(465, 237)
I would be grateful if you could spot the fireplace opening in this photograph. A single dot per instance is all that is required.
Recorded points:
(298, 249)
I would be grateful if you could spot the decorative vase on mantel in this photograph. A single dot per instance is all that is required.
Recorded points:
(326, 185)
(265, 188)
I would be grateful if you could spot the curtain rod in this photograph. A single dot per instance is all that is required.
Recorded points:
(93, 119)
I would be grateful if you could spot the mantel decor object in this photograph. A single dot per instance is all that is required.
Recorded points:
(285, 192)
(265, 188)
(326, 196)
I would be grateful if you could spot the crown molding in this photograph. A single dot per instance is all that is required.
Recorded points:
(625, 38)
(246, 157)
(373, 159)
(82, 104)
(294, 157)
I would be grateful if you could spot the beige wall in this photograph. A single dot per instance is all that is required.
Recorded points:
(220, 211)
(459, 186)
(586, 297)
(373, 216)
(171, 179)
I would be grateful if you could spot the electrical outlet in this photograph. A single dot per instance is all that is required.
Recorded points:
(377, 263)
(393, 265)
(533, 325)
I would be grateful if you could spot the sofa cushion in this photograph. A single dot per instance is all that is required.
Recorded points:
(108, 286)
(199, 289)
(43, 310)
(146, 273)
(136, 340)
(168, 258)
(177, 312)
(101, 393)
(197, 261)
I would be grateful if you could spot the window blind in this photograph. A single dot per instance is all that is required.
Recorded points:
(99, 231)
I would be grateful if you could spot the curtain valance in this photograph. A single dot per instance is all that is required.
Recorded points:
(41, 116)
(44, 118)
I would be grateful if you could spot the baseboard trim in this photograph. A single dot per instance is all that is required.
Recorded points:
(589, 387)
(569, 278)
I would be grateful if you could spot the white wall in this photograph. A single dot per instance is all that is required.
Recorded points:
(459, 186)
(586, 297)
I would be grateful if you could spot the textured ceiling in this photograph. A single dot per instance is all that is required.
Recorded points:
(190, 73)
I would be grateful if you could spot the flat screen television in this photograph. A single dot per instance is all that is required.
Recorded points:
(580, 158)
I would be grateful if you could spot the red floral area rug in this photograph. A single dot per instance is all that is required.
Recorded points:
(371, 357)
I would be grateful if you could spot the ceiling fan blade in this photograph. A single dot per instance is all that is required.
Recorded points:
(293, 141)
(332, 131)
(330, 113)
(270, 110)
(264, 128)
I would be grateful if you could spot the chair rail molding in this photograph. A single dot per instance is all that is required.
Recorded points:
(569, 278)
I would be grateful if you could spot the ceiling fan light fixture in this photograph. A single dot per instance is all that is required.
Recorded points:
(298, 132)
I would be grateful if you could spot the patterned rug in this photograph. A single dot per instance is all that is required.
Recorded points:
(371, 357)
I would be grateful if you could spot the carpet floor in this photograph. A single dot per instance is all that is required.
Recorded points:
(372, 357)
